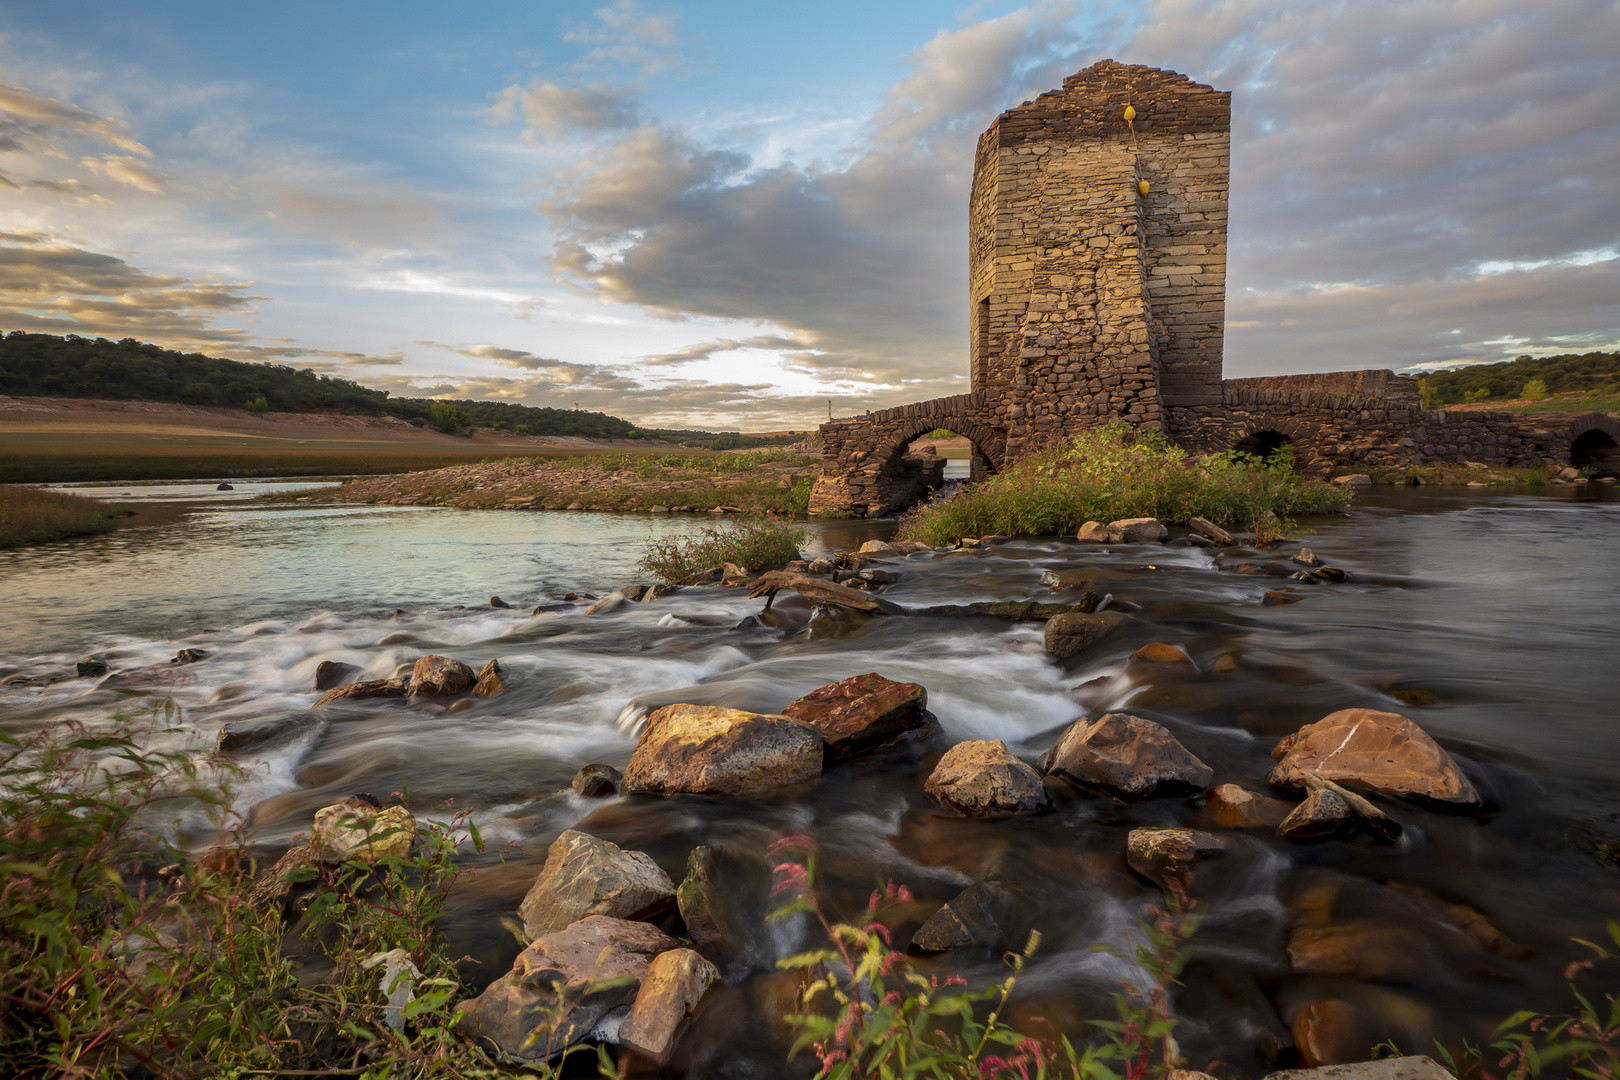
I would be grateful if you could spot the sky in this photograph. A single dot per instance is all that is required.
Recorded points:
(738, 216)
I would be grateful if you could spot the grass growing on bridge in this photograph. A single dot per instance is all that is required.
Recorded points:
(1114, 471)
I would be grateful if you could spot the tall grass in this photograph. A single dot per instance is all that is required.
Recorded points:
(33, 515)
(761, 543)
(1114, 471)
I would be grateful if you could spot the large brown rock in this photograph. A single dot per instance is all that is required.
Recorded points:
(489, 683)
(373, 688)
(330, 674)
(861, 712)
(440, 676)
(706, 750)
(981, 778)
(1126, 756)
(1371, 750)
(562, 985)
(1411, 1067)
(974, 917)
(357, 829)
(1074, 632)
(1162, 854)
(586, 876)
(1330, 1032)
(674, 984)
(1136, 531)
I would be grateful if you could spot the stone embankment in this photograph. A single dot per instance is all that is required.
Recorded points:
(778, 481)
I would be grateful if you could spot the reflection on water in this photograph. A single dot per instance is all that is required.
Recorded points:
(1488, 620)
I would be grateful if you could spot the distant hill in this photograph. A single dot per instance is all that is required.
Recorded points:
(45, 365)
(1506, 381)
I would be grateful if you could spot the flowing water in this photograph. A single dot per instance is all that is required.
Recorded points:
(1486, 618)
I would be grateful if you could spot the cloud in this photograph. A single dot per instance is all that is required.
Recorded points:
(550, 110)
(126, 170)
(703, 350)
(560, 373)
(624, 34)
(53, 287)
(32, 122)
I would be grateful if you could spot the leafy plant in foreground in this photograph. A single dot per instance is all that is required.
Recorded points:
(758, 543)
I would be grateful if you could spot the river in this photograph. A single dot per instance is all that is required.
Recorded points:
(1486, 617)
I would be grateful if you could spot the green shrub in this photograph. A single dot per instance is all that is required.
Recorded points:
(257, 404)
(33, 515)
(448, 417)
(1477, 395)
(760, 543)
(1115, 471)
(1534, 390)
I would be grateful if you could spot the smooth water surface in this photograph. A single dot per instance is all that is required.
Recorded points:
(1488, 619)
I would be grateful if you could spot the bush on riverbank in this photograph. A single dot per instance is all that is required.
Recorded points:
(1115, 471)
(761, 543)
(33, 516)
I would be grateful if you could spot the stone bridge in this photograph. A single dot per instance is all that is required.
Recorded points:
(1097, 277)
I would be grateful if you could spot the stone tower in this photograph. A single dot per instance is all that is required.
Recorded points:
(1090, 297)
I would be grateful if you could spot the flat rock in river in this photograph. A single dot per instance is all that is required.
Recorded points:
(861, 712)
(586, 876)
(707, 750)
(1074, 632)
(1162, 854)
(1126, 756)
(562, 985)
(360, 691)
(981, 778)
(1377, 751)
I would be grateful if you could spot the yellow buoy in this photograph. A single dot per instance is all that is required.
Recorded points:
(1142, 187)
(1130, 113)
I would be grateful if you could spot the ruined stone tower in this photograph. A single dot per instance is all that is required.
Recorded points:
(1090, 297)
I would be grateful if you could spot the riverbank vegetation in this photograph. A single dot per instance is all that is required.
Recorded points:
(1530, 383)
(759, 543)
(34, 516)
(1112, 472)
(758, 481)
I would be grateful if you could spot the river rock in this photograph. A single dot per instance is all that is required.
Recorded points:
(1273, 598)
(188, 656)
(91, 666)
(1234, 807)
(330, 674)
(1092, 532)
(1136, 531)
(1411, 1067)
(1353, 480)
(1378, 751)
(562, 985)
(820, 566)
(1362, 949)
(659, 591)
(497, 602)
(980, 778)
(1162, 854)
(1330, 810)
(707, 750)
(489, 682)
(352, 830)
(240, 735)
(674, 984)
(1330, 1032)
(1074, 632)
(1156, 658)
(975, 916)
(861, 712)
(1126, 756)
(440, 676)
(360, 691)
(877, 547)
(1208, 528)
(723, 901)
(586, 876)
(596, 781)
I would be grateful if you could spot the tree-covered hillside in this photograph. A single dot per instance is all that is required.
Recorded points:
(1558, 374)
(44, 365)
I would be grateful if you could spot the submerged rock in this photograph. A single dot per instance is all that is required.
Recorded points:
(240, 735)
(440, 676)
(356, 829)
(1126, 756)
(562, 985)
(707, 750)
(1330, 810)
(1234, 807)
(330, 674)
(981, 778)
(1330, 1032)
(91, 666)
(670, 991)
(722, 901)
(586, 876)
(1162, 854)
(1378, 751)
(1363, 949)
(1156, 659)
(861, 712)
(1073, 632)
(360, 691)
(974, 917)
(596, 781)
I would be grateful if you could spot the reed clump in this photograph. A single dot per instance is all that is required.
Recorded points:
(33, 516)
(1116, 471)
(759, 543)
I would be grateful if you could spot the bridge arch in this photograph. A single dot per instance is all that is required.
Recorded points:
(1263, 434)
(989, 446)
(1595, 443)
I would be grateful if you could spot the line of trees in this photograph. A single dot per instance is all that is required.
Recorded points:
(47, 365)
(1525, 376)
